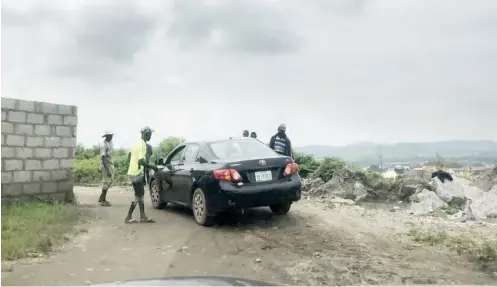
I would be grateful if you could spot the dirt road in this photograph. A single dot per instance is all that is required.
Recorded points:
(313, 244)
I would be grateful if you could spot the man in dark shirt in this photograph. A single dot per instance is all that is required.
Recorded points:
(280, 142)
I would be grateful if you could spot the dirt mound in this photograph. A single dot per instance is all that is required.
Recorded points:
(458, 198)
(408, 184)
(337, 179)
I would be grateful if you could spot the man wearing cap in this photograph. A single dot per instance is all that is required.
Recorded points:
(280, 142)
(137, 163)
(106, 167)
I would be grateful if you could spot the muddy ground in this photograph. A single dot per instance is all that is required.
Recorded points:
(315, 244)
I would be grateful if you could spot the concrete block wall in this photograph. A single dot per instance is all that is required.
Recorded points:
(38, 149)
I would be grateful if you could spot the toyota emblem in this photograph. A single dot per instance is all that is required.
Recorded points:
(262, 162)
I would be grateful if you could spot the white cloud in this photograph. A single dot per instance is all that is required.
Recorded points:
(334, 71)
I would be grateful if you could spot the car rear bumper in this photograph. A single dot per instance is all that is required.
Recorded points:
(236, 197)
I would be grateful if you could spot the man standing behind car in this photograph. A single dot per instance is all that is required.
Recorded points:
(137, 164)
(106, 167)
(280, 142)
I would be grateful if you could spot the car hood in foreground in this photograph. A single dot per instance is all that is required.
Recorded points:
(191, 281)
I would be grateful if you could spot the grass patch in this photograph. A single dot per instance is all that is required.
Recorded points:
(32, 228)
(479, 251)
(449, 209)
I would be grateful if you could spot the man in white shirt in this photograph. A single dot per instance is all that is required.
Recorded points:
(106, 167)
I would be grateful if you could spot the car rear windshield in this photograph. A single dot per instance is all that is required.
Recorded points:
(246, 148)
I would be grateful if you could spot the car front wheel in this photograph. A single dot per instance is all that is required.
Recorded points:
(199, 207)
(281, 208)
(155, 196)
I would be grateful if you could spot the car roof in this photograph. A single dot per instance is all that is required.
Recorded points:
(217, 141)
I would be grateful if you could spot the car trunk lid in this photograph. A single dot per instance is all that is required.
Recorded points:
(261, 170)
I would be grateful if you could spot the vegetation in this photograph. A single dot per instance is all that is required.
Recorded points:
(307, 163)
(32, 228)
(165, 147)
(483, 252)
(86, 167)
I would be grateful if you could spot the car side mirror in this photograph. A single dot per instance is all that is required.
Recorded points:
(202, 160)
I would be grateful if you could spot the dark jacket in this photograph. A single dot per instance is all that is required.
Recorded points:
(288, 146)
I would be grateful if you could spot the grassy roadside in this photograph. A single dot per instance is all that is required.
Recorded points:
(483, 252)
(99, 183)
(33, 228)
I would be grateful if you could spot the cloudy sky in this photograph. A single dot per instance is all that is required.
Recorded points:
(335, 71)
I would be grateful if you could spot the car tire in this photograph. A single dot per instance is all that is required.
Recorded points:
(281, 208)
(199, 207)
(155, 197)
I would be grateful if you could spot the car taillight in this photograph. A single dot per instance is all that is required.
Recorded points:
(290, 169)
(227, 175)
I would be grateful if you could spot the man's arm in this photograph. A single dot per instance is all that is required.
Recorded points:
(271, 142)
(145, 164)
(103, 155)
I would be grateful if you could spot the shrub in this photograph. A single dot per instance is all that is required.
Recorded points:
(121, 165)
(307, 163)
(85, 153)
(86, 171)
(86, 167)
(329, 167)
(165, 147)
(376, 185)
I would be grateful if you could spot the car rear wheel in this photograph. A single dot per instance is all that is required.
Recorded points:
(199, 207)
(155, 197)
(281, 208)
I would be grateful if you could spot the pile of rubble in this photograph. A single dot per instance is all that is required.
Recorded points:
(349, 182)
(458, 198)
(487, 180)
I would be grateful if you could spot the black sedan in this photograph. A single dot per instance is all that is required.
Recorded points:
(227, 175)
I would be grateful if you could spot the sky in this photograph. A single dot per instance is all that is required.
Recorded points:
(334, 71)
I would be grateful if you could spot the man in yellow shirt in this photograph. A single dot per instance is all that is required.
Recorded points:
(137, 163)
